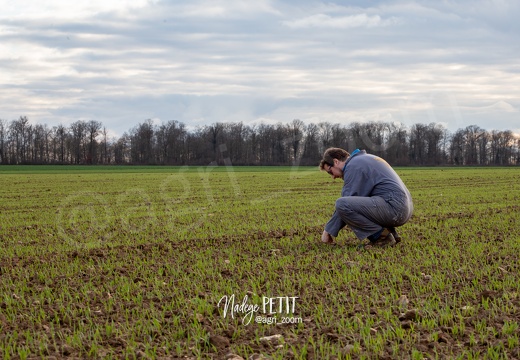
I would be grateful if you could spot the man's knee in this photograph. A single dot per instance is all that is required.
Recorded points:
(343, 205)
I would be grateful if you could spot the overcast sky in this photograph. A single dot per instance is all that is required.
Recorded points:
(205, 61)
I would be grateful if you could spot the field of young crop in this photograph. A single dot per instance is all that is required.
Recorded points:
(226, 262)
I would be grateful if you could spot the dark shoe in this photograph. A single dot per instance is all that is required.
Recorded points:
(386, 239)
(397, 237)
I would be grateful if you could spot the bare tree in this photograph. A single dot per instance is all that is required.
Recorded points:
(122, 150)
(325, 134)
(311, 153)
(170, 138)
(472, 135)
(235, 137)
(78, 131)
(434, 137)
(282, 149)
(426, 144)
(457, 148)
(40, 143)
(483, 148)
(142, 143)
(3, 142)
(60, 139)
(398, 145)
(266, 142)
(20, 133)
(93, 128)
(507, 143)
(517, 150)
(215, 132)
(418, 144)
(296, 130)
(342, 137)
(105, 156)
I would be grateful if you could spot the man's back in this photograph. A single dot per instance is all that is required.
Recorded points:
(369, 175)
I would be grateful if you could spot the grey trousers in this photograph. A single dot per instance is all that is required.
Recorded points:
(367, 215)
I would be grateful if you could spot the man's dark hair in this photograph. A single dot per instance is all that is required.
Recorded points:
(331, 154)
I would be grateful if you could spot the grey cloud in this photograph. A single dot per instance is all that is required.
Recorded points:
(204, 62)
(343, 22)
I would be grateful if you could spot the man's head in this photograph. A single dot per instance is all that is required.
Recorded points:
(332, 158)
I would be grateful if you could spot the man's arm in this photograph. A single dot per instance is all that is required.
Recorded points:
(353, 179)
(334, 225)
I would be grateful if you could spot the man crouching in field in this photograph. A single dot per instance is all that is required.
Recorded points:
(374, 200)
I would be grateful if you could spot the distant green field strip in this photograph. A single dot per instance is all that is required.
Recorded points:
(73, 169)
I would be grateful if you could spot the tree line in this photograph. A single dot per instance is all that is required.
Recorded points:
(293, 143)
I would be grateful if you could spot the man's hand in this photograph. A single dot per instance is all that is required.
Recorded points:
(327, 238)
